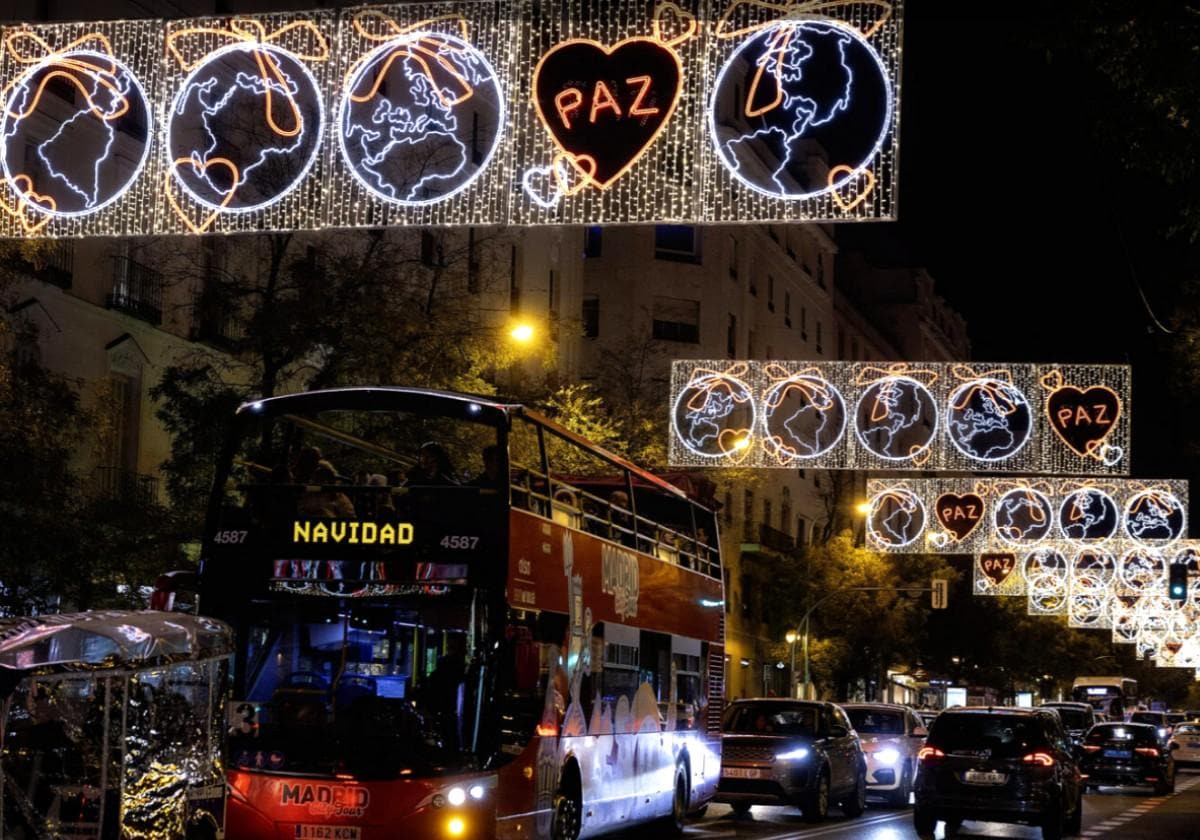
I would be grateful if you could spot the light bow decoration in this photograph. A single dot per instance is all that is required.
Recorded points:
(453, 113)
(76, 127)
(910, 416)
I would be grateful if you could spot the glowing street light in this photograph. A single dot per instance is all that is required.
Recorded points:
(863, 508)
(522, 333)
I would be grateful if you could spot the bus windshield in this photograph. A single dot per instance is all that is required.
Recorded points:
(377, 690)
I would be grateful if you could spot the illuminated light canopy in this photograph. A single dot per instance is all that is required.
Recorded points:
(421, 117)
(459, 113)
(1006, 515)
(910, 416)
(896, 519)
(1046, 578)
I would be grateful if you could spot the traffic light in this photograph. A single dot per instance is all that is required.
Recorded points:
(1178, 585)
(940, 593)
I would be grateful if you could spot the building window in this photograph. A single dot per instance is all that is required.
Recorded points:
(821, 269)
(514, 282)
(787, 309)
(733, 258)
(677, 242)
(727, 510)
(801, 531)
(552, 296)
(819, 337)
(771, 292)
(748, 506)
(804, 322)
(731, 337)
(431, 249)
(593, 241)
(591, 316)
(676, 319)
(137, 290)
(785, 511)
(768, 512)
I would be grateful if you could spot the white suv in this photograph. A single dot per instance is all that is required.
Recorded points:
(891, 737)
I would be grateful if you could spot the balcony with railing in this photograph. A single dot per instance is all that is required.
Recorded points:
(125, 486)
(137, 290)
(215, 321)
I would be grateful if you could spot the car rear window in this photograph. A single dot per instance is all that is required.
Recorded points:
(876, 721)
(1104, 733)
(771, 719)
(1187, 729)
(1072, 718)
(1003, 736)
(1152, 718)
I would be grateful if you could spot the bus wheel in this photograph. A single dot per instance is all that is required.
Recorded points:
(679, 804)
(568, 809)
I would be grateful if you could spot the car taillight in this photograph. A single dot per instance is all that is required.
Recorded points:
(1039, 758)
(1150, 751)
(929, 754)
(1091, 748)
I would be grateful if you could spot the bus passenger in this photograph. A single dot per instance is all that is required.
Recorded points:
(325, 503)
(433, 467)
(621, 519)
(490, 478)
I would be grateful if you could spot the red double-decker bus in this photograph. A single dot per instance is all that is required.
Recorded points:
(456, 618)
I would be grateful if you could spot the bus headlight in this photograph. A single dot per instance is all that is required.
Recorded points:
(477, 791)
(456, 796)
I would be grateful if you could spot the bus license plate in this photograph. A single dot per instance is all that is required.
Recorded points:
(741, 773)
(985, 777)
(327, 832)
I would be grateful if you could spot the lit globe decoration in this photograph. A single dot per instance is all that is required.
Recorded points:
(797, 100)
(71, 157)
(1047, 580)
(896, 518)
(803, 417)
(988, 420)
(714, 416)
(420, 118)
(896, 418)
(1089, 515)
(1154, 517)
(1022, 515)
(244, 128)
(1091, 577)
(1141, 572)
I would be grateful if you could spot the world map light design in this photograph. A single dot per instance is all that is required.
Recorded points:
(433, 113)
(1015, 418)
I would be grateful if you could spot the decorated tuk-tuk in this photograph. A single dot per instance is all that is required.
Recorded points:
(113, 726)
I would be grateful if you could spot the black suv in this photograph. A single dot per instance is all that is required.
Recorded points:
(999, 764)
(1127, 754)
(791, 752)
(1077, 718)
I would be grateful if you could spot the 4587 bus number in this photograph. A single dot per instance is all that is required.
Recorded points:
(459, 543)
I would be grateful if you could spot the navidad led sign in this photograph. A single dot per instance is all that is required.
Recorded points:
(488, 113)
(984, 417)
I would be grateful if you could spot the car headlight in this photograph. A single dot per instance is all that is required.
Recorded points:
(793, 755)
(1162, 732)
(456, 796)
(887, 757)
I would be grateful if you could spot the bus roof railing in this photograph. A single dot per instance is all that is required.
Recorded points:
(70, 642)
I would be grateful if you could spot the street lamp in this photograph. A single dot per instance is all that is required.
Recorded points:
(863, 508)
(522, 333)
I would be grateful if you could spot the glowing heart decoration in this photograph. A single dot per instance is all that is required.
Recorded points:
(1084, 418)
(997, 567)
(959, 514)
(203, 223)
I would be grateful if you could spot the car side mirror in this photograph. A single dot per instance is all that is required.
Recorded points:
(838, 731)
(920, 732)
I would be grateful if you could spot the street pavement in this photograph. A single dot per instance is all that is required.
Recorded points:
(1112, 813)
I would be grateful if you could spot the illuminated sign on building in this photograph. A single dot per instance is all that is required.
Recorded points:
(453, 113)
(1020, 418)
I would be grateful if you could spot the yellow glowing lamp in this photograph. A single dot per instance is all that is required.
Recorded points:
(522, 333)
(455, 827)
(863, 508)
(742, 443)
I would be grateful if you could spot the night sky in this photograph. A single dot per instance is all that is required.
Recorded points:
(1021, 215)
